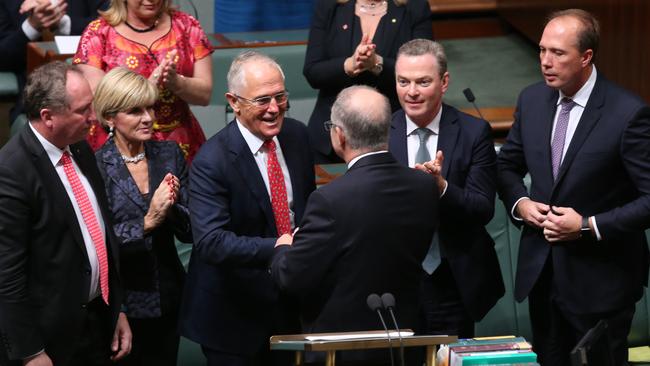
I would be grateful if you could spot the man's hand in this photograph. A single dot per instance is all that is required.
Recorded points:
(42, 359)
(285, 239)
(121, 345)
(533, 213)
(562, 224)
(434, 167)
(46, 14)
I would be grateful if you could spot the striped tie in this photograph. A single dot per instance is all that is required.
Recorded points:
(90, 220)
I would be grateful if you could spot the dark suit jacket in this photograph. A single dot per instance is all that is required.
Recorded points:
(334, 36)
(467, 206)
(606, 173)
(230, 303)
(366, 232)
(44, 268)
(152, 272)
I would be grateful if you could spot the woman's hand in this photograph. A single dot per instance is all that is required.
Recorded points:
(163, 199)
(363, 59)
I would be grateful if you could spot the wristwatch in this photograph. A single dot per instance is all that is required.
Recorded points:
(378, 68)
(585, 225)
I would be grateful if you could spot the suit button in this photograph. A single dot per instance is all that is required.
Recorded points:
(84, 306)
(87, 271)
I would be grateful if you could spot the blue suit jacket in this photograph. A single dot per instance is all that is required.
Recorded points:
(230, 302)
(152, 272)
(334, 36)
(606, 173)
(467, 206)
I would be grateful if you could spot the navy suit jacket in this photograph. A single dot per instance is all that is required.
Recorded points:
(366, 232)
(334, 36)
(230, 302)
(44, 267)
(152, 272)
(468, 204)
(606, 173)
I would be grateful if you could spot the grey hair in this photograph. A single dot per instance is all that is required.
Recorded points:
(237, 74)
(46, 88)
(364, 128)
(419, 47)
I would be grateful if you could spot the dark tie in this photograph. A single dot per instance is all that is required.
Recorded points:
(557, 145)
(90, 220)
(278, 190)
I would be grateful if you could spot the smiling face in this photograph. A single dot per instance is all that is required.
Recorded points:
(564, 67)
(261, 80)
(144, 9)
(133, 126)
(420, 87)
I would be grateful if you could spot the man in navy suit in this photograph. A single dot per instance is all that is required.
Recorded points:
(366, 232)
(584, 141)
(462, 278)
(248, 185)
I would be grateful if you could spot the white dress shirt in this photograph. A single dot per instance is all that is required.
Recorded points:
(64, 29)
(413, 141)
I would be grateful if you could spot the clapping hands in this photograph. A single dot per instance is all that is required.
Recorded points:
(165, 74)
(163, 199)
(364, 58)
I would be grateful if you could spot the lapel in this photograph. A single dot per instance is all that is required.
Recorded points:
(588, 120)
(243, 161)
(545, 124)
(397, 138)
(447, 136)
(345, 21)
(388, 28)
(52, 184)
(119, 174)
(157, 169)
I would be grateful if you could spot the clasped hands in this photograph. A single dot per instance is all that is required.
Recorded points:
(364, 58)
(45, 14)
(559, 223)
(434, 168)
(165, 74)
(163, 199)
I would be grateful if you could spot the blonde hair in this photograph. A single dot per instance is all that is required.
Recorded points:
(120, 90)
(116, 12)
(397, 2)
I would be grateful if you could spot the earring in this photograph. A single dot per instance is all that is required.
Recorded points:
(110, 132)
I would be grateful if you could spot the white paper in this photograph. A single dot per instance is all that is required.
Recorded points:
(67, 44)
(342, 337)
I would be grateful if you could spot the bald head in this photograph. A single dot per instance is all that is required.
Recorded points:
(364, 115)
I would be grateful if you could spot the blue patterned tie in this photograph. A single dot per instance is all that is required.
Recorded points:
(557, 145)
(432, 259)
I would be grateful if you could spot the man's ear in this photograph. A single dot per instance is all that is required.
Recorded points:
(587, 56)
(233, 101)
(46, 116)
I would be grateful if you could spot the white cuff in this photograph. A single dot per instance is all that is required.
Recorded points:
(593, 223)
(65, 26)
(513, 212)
(31, 32)
(444, 190)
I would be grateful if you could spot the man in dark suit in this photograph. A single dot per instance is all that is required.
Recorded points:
(60, 293)
(248, 185)
(23, 21)
(365, 232)
(462, 279)
(584, 141)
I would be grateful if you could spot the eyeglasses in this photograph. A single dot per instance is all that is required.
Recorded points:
(329, 125)
(263, 102)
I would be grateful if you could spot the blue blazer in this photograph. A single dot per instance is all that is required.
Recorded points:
(230, 302)
(334, 35)
(149, 258)
(606, 173)
(467, 206)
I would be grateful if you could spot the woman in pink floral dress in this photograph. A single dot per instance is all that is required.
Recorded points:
(168, 47)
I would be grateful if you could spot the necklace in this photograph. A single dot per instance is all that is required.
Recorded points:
(372, 8)
(140, 30)
(133, 160)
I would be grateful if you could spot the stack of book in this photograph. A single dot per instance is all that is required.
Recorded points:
(507, 350)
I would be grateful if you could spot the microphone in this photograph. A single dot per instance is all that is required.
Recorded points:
(470, 98)
(375, 304)
(389, 304)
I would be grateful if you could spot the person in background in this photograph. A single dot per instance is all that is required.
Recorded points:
(60, 288)
(24, 21)
(146, 185)
(166, 46)
(583, 254)
(355, 42)
(462, 279)
(248, 185)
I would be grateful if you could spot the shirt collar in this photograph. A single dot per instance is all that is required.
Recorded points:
(53, 152)
(353, 161)
(582, 96)
(254, 143)
(434, 125)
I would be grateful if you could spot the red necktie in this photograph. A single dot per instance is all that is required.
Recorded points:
(91, 222)
(278, 190)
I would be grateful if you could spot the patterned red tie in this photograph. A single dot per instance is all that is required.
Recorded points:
(278, 190)
(91, 222)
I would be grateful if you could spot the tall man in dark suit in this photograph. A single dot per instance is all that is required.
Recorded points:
(60, 293)
(584, 141)
(366, 232)
(248, 185)
(462, 279)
